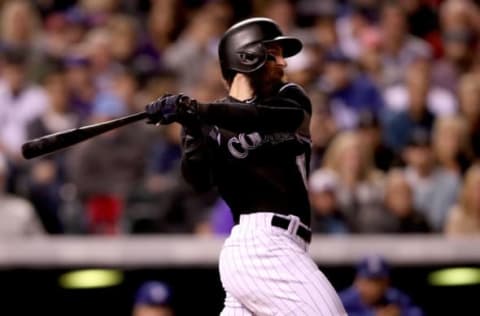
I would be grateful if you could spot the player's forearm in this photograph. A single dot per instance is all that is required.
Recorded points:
(245, 117)
(281, 113)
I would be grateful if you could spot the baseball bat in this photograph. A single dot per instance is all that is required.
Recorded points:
(53, 142)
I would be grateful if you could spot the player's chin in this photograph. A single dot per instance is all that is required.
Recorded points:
(278, 72)
(276, 75)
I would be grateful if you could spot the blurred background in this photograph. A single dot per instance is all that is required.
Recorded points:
(395, 88)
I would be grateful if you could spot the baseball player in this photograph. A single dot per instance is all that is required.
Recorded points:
(254, 146)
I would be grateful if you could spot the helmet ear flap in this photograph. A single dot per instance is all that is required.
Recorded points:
(251, 58)
(248, 59)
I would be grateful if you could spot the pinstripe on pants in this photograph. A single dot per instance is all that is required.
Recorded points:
(266, 271)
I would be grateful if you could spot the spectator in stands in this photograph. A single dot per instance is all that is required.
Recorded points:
(464, 217)
(399, 47)
(458, 14)
(21, 101)
(98, 45)
(450, 144)
(281, 11)
(327, 218)
(323, 31)
(414, 114)
(211, 87)
(123, 30)
(165, 203)
(108, 167)
(64, 32)
(423, 22)
(55, 41)
(164, 161)
(435, 188)
(459, 52)
(48, 175)
(370, 60)
(360, 186)
(17, 215)
(469, 96)
(156, 85)
(322, 128)
(164, 20)
(349, 93)
(21, 30)
(77, 24)
(153, 298)
(97, 11)
(372, 294)
(81, 85)
(351, 26)
(370, 133)
(399, 207)
(196, 45)
(459, 28)
(20, 24)
(58, 115)
(302, 67)
(440, 101)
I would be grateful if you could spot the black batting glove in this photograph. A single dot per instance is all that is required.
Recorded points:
(162, 110)
(171, 108)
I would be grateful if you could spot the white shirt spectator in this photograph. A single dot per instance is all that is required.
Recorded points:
(16, 112)
(440, 101)
(348, 42)
(18, 218)
(17, 215)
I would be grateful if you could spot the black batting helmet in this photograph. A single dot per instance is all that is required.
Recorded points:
(242, 47)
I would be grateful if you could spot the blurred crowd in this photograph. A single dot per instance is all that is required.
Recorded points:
(395, 89)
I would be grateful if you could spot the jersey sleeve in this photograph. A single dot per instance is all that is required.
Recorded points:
(195, 166)
(297, 94)
(284, 111)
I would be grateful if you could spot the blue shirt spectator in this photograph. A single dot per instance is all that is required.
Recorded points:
(349, 93)
(359, 95)
(399, 129)
(354, 305)
(371, 293)
(327, 217)
(153, 298)
(399, 125)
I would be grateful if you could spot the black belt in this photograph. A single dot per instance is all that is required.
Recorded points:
(284, 223)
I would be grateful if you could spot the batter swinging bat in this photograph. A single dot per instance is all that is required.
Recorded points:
(50, 143)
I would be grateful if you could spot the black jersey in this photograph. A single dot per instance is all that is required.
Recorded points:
(256, 153)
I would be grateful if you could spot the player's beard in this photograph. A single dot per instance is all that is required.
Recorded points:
(266, 79)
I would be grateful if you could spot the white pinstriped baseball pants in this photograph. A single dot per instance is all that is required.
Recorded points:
(267, 271)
